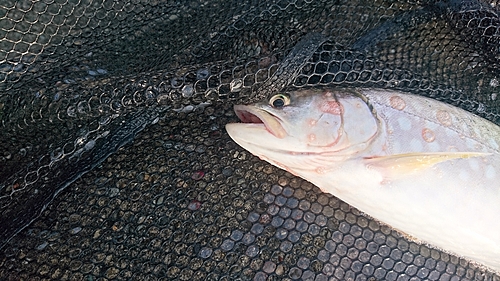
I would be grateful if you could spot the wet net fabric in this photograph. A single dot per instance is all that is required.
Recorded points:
(114, 161)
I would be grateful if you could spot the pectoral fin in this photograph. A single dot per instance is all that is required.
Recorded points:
(398, 165)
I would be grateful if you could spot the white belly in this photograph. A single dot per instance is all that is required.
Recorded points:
(460, 217)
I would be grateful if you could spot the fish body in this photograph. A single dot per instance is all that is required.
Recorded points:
(428, 169)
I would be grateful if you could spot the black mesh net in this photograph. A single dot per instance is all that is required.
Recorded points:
(123, 104)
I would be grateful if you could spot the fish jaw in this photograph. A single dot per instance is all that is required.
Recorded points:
(256, 116)
(259, 126)
(251, 135)
(282, 153)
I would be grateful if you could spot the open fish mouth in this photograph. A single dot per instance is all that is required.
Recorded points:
(252, 115)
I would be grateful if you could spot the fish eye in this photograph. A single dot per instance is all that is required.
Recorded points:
(279, 101)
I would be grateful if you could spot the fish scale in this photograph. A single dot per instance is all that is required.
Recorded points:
(428, 169)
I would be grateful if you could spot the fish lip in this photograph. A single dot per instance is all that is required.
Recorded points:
(254, 115)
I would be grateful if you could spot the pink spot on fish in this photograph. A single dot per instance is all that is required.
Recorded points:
(384, 147)
(428, 135)
(443, 117)
(397, 102)
(311, 137)
(312, 122)
(320, 170)
(331, 107)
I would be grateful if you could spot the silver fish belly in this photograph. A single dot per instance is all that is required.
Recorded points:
(428, 169)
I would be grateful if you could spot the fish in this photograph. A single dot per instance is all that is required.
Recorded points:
(426, 168)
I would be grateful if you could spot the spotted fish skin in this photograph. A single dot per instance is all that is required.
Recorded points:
(424, 167)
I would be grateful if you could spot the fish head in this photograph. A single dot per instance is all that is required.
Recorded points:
(305, 129)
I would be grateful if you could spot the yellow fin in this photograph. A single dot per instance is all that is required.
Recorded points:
(407, 163)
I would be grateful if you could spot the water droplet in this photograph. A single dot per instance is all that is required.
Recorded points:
(236, 235)
(200, 149)
(104, 120)
(150, 93)
(480, 108)
(75, 230)
(56, 154)
(71, 111)
(116, 105)
(18, 67)
(252, 251)
(248, 238)
(168, 144)
(160, 200)
(494, 82)
(202, 74)
(89, 145)
(205, 253)
(42, 246)
(7, 155)
(187, 91)
(269, 267)
(113, 192)
(236, 85)
(176, 82)
(5, 68)
(227, 245)
(185, 109)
